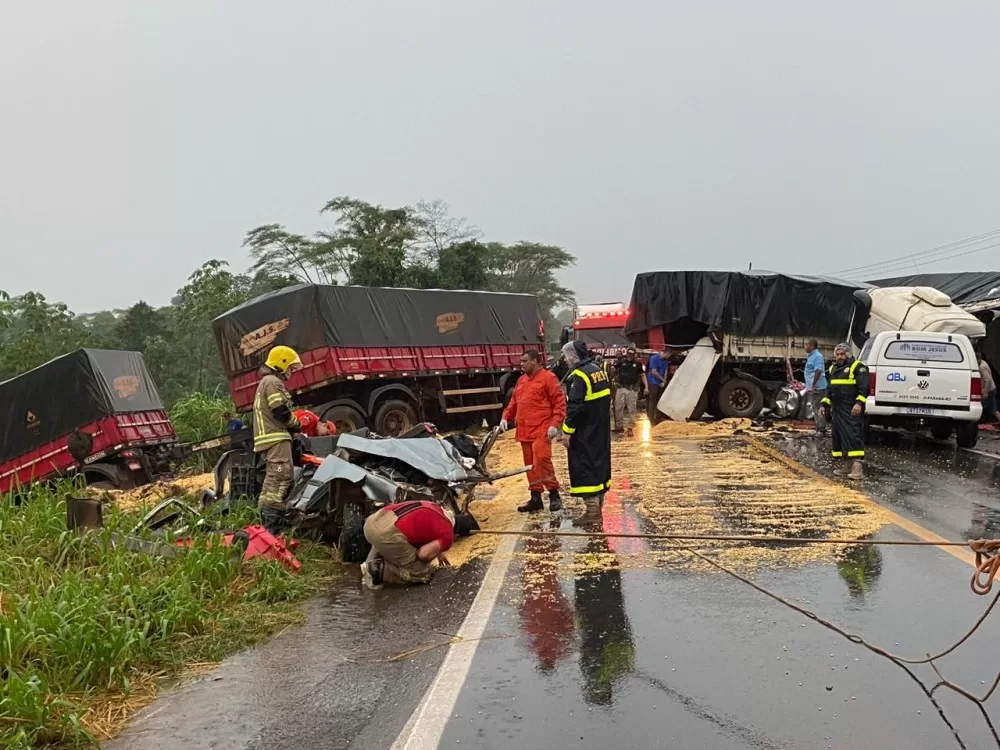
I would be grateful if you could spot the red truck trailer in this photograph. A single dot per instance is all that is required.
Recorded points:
(385, 358)
(93, 411)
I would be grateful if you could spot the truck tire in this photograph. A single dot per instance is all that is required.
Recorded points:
(394, 417)
(941, 430)
(347, 418)
(967, 434)
(354, 547)
(740, 398)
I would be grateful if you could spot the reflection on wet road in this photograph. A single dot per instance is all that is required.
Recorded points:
(664, 652)
(597, 642)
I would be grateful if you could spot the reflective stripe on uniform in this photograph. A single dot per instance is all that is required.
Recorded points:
(856, 454)
(862, 399)
(847, 381)
(825, 400)
(568, 430)
(274, 399)
(270, 438)
(587, 490)
(591, 396)
(837, 454)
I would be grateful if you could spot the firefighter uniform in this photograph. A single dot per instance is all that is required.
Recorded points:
(273, 423)
(588, 424)
(847, 385)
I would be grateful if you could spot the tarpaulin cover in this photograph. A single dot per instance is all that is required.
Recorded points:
(749, 303)
(310, 316)
(70, 391)
(965, 288)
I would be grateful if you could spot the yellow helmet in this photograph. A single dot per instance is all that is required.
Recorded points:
(282, 358)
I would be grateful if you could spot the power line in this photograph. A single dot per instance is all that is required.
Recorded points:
(921, 255)
(905, 267)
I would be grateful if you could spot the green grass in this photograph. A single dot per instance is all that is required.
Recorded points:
(87, 631)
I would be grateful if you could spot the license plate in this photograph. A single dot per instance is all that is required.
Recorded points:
(919, 410)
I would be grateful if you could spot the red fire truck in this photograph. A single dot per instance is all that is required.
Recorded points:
(600, 326)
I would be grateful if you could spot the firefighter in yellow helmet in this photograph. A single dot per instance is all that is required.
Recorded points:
(273, 425)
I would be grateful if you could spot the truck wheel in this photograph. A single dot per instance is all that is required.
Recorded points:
(941, 430)
(394, 418)
(347, 418)
(354, 547)
(967, 434)
(740, 398)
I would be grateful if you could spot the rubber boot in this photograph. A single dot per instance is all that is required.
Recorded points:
(843, 471)
(555, 502)
(591, 514)
(533, 505)
(857, 470)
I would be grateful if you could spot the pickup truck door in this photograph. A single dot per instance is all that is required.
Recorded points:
(923, 374)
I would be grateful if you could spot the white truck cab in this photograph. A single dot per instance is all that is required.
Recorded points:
(924, 379)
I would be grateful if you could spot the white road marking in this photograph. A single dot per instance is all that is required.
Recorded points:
(426, 725)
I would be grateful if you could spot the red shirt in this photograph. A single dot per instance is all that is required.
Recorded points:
(537, 404)
(423, 522)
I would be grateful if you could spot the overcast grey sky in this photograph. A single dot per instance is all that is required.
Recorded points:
(140, 139)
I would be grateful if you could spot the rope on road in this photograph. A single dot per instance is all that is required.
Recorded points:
(987, 567)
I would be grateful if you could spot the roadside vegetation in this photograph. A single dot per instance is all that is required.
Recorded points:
(89, 631)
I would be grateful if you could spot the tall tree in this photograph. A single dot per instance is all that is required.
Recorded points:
(530, 268)
(139, 325)
(278, 252)
(35, 332)
(368, 244)
(436, 229)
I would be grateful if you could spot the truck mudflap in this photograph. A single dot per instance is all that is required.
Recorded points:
(685, 388)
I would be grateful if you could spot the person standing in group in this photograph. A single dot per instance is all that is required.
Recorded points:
(630, 379)
(587, 428)
(991, 410)
(273, 425)
(815, 380)
(844, 406)
(657, 371)
(538, 407)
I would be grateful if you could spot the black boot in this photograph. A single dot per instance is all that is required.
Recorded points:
(555, 502)
(534, 504)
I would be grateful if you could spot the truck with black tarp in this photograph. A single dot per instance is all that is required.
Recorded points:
(93, 411)
(749, 325)
(384, 357)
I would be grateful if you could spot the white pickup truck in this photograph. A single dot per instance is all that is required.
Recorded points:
(924, 379)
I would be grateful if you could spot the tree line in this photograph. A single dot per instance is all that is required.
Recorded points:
(421, 246)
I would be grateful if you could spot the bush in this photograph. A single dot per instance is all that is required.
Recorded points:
(200, 417)
(82, 620)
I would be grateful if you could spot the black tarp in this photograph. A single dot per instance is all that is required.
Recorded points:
(749, 303)
(965, 288)
(310, 316)
(70, 391)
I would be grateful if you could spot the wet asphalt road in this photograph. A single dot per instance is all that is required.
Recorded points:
(594, 644)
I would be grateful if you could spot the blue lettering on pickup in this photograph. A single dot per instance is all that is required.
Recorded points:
(896, 377)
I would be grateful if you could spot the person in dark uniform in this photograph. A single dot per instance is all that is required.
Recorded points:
(587, 428)
(844, 405)
(630, 379)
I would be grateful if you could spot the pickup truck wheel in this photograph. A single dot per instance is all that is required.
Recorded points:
(967, 434)
(346, 418)
(394, 418)
(941, 430)
(740, 398)
(354, 547)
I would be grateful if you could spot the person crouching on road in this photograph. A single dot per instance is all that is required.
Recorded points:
(631, 379)
(587, 428)
(538, 405)
(406, 538)
(844, 405)
(273, 425)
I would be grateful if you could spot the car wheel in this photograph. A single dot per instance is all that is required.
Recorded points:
(354, 547)
(967, 434)
(941, 430)
(394, 417)
(740, 398)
